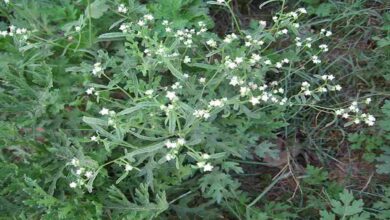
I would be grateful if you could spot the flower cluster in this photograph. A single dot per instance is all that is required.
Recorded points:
(110, 113)
(82, 174)
(354, 114)
(97, 69)
(22, 33)
(173, 146)
(207, 167)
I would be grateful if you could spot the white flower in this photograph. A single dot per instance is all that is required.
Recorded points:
(278, 65)
(244, 91)
(302, 10)
(211, 43)
(201, 164)
(104, 111)
(221, 1)
(201, 114)
(122, 9)
(315, 59)
(268, 62)
(205, 156)
(328, 33)
(305, 85)
(230, 37)
(284, 31)
(171, 95)
(169, 157)
(97, 68)
(307, 92)
(368, 101)
(239, 60)
(285, 60)
(263, 23)
(339, 111)
(324, 47)
(265, 96)
(216, 103)
(234, 81)
(170, 144)
(149, 92)
(90, 91)
(88, 174)
(94, 138)
(207, 167)
(141, 23)
(77, 28)
(181, 141)
(345, 115)
(128, 168)
(75, 162)
(230, 64)
(206, 115)
(338, 87)
(187, 59)
(148, 17)
(202, 80)
(322, 89)
(79, 171)
(255, 100)
(255, 58)
(73, 185)
(356, 121)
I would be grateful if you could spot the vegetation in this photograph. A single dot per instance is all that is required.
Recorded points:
(190, 109)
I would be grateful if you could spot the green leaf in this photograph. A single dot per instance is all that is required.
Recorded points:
(97, 9)
(267, 149)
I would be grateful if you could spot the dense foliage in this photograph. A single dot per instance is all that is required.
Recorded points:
(163, 110)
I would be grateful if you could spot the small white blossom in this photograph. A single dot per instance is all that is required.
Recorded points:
(128, 167)
(315, 59)
(255, 100)
(170, 144)
(94, 138)
(216, 103)
(211, 43)
(88, 174)
(339, 111)
(73, 185)
(104, 111)
(169, 157)
(234, 81)
(171, 95)
(324, 47)
(368, 101)
(149, 92)
(148, 17)
(181, 141)
(187, 59)
(202, 80)
(302, 10)
(90, 91)
(97, 68)
(205, 156)
(244, 91)
(122, 9)
(208, 167)
(75, 162)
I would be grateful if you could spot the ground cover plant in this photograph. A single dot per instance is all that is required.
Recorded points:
(190, 109)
